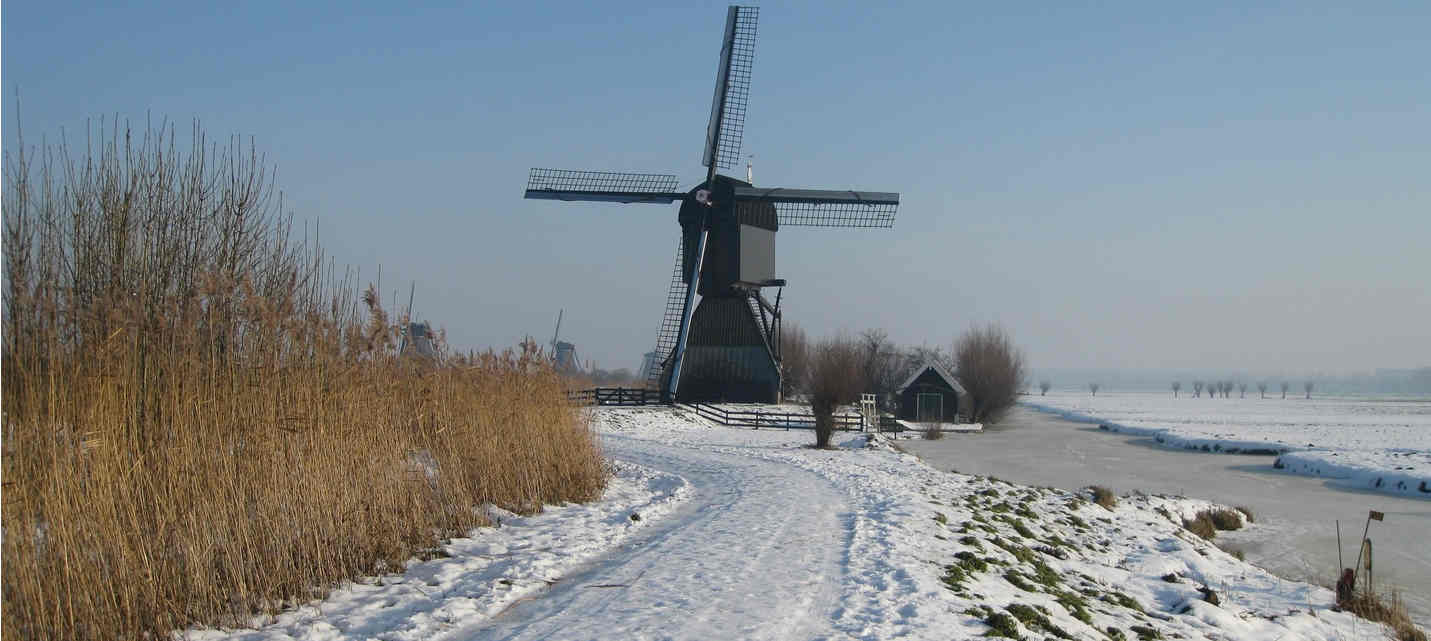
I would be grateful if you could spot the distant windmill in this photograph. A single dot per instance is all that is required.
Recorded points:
(563, 353)
(727, 346)
(417, 338)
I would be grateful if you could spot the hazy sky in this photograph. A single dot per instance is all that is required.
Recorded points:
(1144, 185)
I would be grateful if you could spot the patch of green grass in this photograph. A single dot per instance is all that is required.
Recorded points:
(1125, 601)
(971, 542)
(1046, 575)
(1076, 605)
(990, 492)
(1001, 625)
(940, 518)
(1001, 507)
(954, 577)
(1022, 529)
(1015, 578)
(971, 563)
(1146, 633)
(1024, 511)
(1032, 619)
(1023, 554)
(1077, 522)
(1115, 634)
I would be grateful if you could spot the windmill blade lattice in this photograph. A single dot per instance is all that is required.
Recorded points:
(670, 330)
(601, 186)
(826, 207)
(727, 123)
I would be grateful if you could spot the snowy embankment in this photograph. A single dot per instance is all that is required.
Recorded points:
(741, 533)
(1370, 444)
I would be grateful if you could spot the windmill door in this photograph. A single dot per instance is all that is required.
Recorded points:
(931, 408)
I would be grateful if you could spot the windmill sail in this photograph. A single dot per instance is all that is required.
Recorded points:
(601, 186)
(732, 89)
(826, 207)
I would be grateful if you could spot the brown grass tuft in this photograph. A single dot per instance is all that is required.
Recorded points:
(1388, 609)
(1104, 497)
(202, 423)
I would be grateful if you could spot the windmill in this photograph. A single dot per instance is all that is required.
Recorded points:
(727, 345)
(563, 353)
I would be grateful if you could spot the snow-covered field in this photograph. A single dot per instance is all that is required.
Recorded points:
(713, 532)
(1375, 444)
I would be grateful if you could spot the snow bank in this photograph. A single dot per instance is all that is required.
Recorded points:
(903, 551)
(1379, 445)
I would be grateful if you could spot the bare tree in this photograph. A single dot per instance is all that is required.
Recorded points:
(834, 380)
(1285, 386)
(1176, 386)
(794, 360)
(880, 365)
(1262, 388)
(1227, 389)
(1197, 389)
(991, 370)
(1093, 387)
(1308, 387)
(1043, 387)
(1242, 389)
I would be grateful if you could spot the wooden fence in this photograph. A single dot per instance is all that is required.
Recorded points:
(615, 396)
(767, 419)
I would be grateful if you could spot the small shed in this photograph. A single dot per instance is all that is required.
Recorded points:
(932, 395)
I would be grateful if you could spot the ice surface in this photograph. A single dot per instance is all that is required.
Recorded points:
(1382, 445)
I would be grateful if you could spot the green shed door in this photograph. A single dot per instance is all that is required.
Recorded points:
(931, 408)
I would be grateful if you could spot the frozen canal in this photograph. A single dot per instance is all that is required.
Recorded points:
(1295, 536)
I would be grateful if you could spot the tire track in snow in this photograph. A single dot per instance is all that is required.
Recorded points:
(755, 554)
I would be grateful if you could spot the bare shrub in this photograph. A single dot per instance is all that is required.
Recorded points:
(1197, 389)
(1285, 387)
(1385, 608)
(931, 432)
(1201, 525)
(1308, 387)
(991, 369)
(1206, 523)
(794, 361)
(1104, 497)
(1043, 387)
(1093, 387)
(202, 424)
(1262, 388)
(1176, 386)
(1246, 513)
(1226, 519)
(834, 380)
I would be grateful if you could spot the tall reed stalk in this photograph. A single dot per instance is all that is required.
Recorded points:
(202, 421)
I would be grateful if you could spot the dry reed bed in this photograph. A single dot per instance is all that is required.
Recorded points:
(201, 423)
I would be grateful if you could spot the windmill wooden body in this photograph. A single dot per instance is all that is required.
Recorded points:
(720, 337)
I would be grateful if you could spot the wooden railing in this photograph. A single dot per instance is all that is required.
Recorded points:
(615, 396)
(767, 419)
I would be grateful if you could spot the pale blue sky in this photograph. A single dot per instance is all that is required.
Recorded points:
(1129, 185)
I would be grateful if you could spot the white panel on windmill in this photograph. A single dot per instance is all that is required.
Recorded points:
(757, 254)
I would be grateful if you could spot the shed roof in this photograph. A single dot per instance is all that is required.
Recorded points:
(940, 371)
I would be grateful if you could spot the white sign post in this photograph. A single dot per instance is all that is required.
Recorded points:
(869, 412)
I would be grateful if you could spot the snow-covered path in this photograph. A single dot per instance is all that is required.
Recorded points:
(754, 554)
(750, 534)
